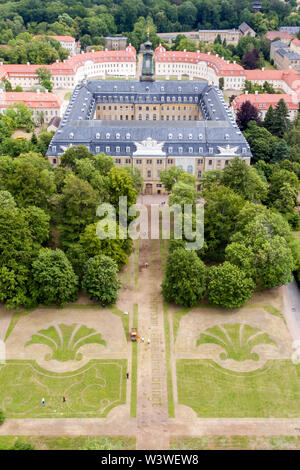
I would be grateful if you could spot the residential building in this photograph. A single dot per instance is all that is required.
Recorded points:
(262, 102)
(71, 71)
(46, 105)
(116, 43)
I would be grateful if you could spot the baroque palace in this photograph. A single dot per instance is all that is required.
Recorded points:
(152, 125)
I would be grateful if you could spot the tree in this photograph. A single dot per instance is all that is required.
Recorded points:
(251, 59)
(6, 201)
(16, 255)
(272, 258)
(54, 278)
(117, 248)
(38, 223)
(220, 216)
(187, 44)
(210, 179)
(44, 78)
(261, 141)
(283, 181)
(32, 181)
(78, 152)
(100, 279)
(229, 286)
(182, 193)
(245, 114)
(185, 278)
(21, 115)
(136, 177)
(244, 180)
(120, 183)
(269, 120)
(281, 122)
(103, 163)
(280, 152)
(170, 177)
(78, 206)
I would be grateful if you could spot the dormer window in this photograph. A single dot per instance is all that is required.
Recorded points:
(97, 135)
(180, 136)
(190, 136)
(108, 136)
(226, 136)
(128, 136)
(117, 136)
(200, 136)
(170, 136)
(71, 135)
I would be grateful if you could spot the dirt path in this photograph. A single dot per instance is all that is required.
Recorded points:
(114, 425)
(152, 404)
(234, 427)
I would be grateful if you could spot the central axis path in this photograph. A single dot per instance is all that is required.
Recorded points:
(152, 404)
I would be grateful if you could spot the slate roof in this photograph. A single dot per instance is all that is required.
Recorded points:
(118, 137)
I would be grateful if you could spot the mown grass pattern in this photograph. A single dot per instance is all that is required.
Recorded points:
(91, 391)
(66, 340)
(237, 340)
(212, 391)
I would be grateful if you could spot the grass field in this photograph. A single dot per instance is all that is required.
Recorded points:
(211, 391)
(70, 443)
(91, 391)
(235, 442)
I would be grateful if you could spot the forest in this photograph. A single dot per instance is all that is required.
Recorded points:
(91, 20)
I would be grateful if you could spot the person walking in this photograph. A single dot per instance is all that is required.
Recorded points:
(148, 341)
(43, 402)
(64, 399)
(127, 375)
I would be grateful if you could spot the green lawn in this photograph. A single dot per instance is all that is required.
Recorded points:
(211, 391)
(70, 443)
(91, 391)
(235, 442)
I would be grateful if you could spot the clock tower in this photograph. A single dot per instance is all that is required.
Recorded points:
(148, 63)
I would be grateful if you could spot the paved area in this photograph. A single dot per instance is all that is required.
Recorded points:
(291, 308)
(294, 295)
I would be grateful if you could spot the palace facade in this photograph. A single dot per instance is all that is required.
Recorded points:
(152, 125)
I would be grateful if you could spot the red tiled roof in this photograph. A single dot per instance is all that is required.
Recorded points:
(31, 99)
(296, 42)
(289, 76)
(70, 66)
(271, 35)
(264, 101)
(221, 66)
(63, 38)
